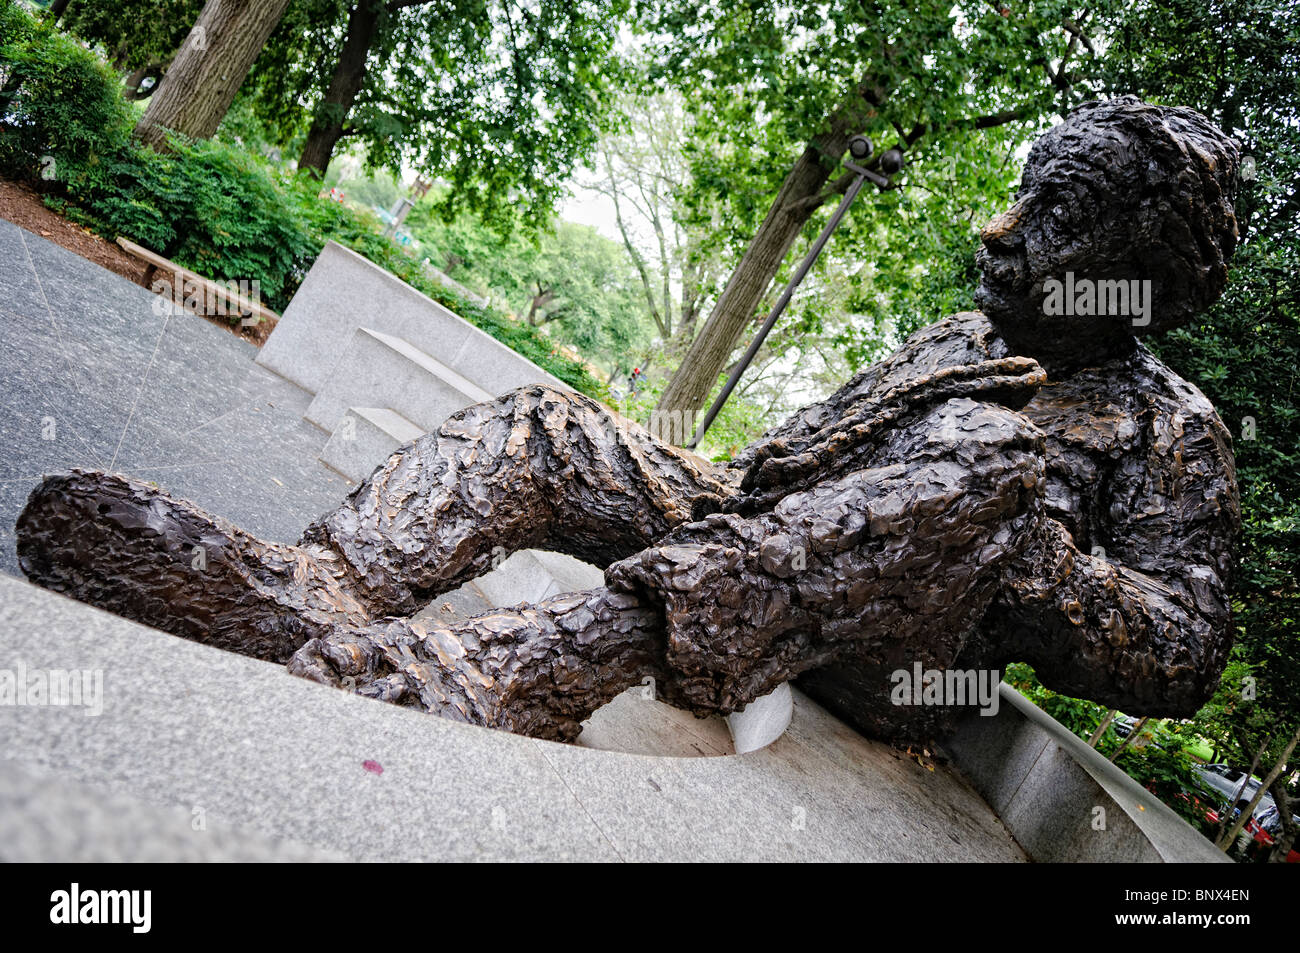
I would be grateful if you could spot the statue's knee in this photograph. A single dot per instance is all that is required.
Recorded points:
(978, 424)
(529, 392)
(537, 394)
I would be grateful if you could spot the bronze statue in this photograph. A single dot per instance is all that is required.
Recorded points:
(1026, 483)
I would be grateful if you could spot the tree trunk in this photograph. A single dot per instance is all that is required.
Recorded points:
(345, 85)
(1286, 836)
(1101, 729)
(538, 301)
(209, 68)
(131, 87)
(56, 9)
(800, 195)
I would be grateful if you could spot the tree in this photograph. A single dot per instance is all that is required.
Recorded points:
(569, 280)
(208, 69)
(498, 98)
(809, 77)
(141, 36)
(365, 22)
(583, 285)
(641, 168)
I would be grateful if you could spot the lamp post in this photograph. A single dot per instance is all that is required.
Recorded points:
(859, 148)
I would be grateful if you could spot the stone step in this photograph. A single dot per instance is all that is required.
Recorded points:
(194, 731)
(533, 575)
(365, 438)
(529, 575)
(380, 370)
(344, 291)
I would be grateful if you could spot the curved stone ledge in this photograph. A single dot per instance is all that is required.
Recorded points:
(1045, 784)
(281, 760)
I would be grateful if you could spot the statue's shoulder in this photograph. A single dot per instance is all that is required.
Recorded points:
(967, 337)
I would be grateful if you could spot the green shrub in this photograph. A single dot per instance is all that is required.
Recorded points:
(207, 206)
(15, 23)
(62, 116)
(237, 223)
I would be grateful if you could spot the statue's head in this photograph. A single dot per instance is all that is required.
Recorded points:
(1123, 225)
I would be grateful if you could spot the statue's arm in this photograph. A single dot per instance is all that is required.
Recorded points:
(1095, 628)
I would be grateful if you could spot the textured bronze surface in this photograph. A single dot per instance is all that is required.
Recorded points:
(1008, 485)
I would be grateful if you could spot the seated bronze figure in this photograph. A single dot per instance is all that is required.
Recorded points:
(1025, 482)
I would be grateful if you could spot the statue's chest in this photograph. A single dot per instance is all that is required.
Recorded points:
(1088, 434)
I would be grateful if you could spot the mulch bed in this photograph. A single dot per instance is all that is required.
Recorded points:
(22, 205)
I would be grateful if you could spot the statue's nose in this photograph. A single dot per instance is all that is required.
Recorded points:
(1003, 231)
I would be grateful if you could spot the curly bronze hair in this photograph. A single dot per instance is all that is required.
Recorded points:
(1122, 189)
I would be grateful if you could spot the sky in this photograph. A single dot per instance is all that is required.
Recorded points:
(588, 207)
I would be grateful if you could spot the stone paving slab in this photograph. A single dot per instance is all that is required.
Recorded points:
(169, 398)
(46, 818)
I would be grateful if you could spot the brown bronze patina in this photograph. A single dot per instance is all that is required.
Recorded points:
(1009, 485)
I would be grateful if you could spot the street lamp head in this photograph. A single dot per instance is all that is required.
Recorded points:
(859, 147)
(891, 162)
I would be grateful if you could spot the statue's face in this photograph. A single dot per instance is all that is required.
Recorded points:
(1073, 226)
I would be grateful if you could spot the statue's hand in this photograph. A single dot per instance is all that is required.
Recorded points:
(862, 435)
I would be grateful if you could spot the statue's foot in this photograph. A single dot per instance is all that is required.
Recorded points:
(126, 546)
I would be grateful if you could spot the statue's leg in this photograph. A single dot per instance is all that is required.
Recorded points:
(128, 547)
(537, 670)
(859, 576)
(537, 467)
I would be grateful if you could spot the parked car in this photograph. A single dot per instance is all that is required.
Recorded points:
(1123, 726)
(1267, 830)
(1198, 804)
(1226, 780)
(1271, 820)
